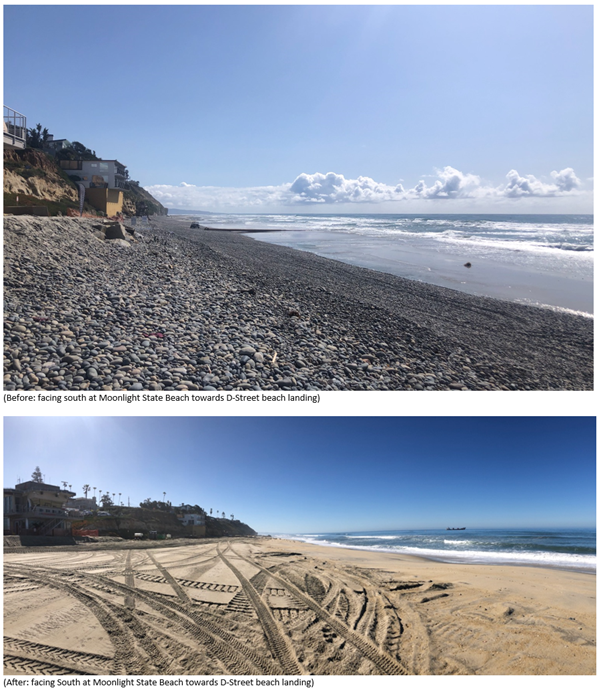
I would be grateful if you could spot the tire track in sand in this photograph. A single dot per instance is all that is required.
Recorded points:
(28, 666)
(79, 662)
(381, 660)
(224, 646)
(279, 645)
(127, 658)
(129, 600)
(170, 579)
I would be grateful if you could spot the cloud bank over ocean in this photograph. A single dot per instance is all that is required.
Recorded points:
(311, 191)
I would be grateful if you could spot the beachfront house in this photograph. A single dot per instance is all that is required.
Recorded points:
(36, 509)
(192, 519)
(15, 129)
(194, 523)
(54, 146)
(105, 182)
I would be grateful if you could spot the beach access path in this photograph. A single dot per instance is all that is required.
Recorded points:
(189, 309)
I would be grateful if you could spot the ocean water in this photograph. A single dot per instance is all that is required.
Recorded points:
(571, 549)
(539, 259)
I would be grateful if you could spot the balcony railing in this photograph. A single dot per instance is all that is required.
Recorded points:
(15, 128)
(44, 512)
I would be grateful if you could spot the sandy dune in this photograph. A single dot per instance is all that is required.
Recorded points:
(268, 607)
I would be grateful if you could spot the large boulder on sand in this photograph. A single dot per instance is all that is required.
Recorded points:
(115, 230)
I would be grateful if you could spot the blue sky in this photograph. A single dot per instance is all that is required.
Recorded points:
(326, 474)
(313, 108)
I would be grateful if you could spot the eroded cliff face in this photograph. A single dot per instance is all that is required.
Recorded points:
(36, 175)
(31, 172)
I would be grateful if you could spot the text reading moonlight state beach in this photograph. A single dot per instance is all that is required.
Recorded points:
(164, 398)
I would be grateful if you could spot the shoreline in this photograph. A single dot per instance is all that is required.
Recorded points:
(444, 560)
(217, 310)
(502, 279)
(333, 611)
(509, 278)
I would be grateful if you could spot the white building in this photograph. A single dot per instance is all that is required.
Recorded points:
(110, 174)
(193, 520)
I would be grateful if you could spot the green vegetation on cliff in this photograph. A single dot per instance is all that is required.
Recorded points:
(34, 178)
(126, 521)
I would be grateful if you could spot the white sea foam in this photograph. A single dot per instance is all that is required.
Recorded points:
(379, 538)
(542, 558)
(445, 540)
(568, 311)
(545, 261)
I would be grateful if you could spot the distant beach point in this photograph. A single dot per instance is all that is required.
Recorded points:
(176, 308)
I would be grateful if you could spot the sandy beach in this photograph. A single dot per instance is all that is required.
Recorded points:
(181, 309)
(265, 606)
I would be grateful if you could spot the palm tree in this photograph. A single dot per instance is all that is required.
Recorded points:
(120, 497)
(164, 498)
(223, 515)
(210, 511)
(232, 517)
(114, 498)
(70, 488)
(64, 485)
(86, 489)
(94, 490)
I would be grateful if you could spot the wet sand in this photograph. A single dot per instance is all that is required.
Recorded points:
(512, 276)
(276, 607)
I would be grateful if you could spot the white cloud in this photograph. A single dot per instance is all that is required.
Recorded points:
(450, 184)
(565, 181)
(334, 189)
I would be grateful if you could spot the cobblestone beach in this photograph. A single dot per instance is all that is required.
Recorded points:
(178, 309)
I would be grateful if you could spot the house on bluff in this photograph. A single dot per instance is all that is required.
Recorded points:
(104, 180)
(194, 523)
(36, 509)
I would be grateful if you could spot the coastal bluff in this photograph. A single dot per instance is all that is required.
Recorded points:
(178, 309)
(34, 178)
(125, 522)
